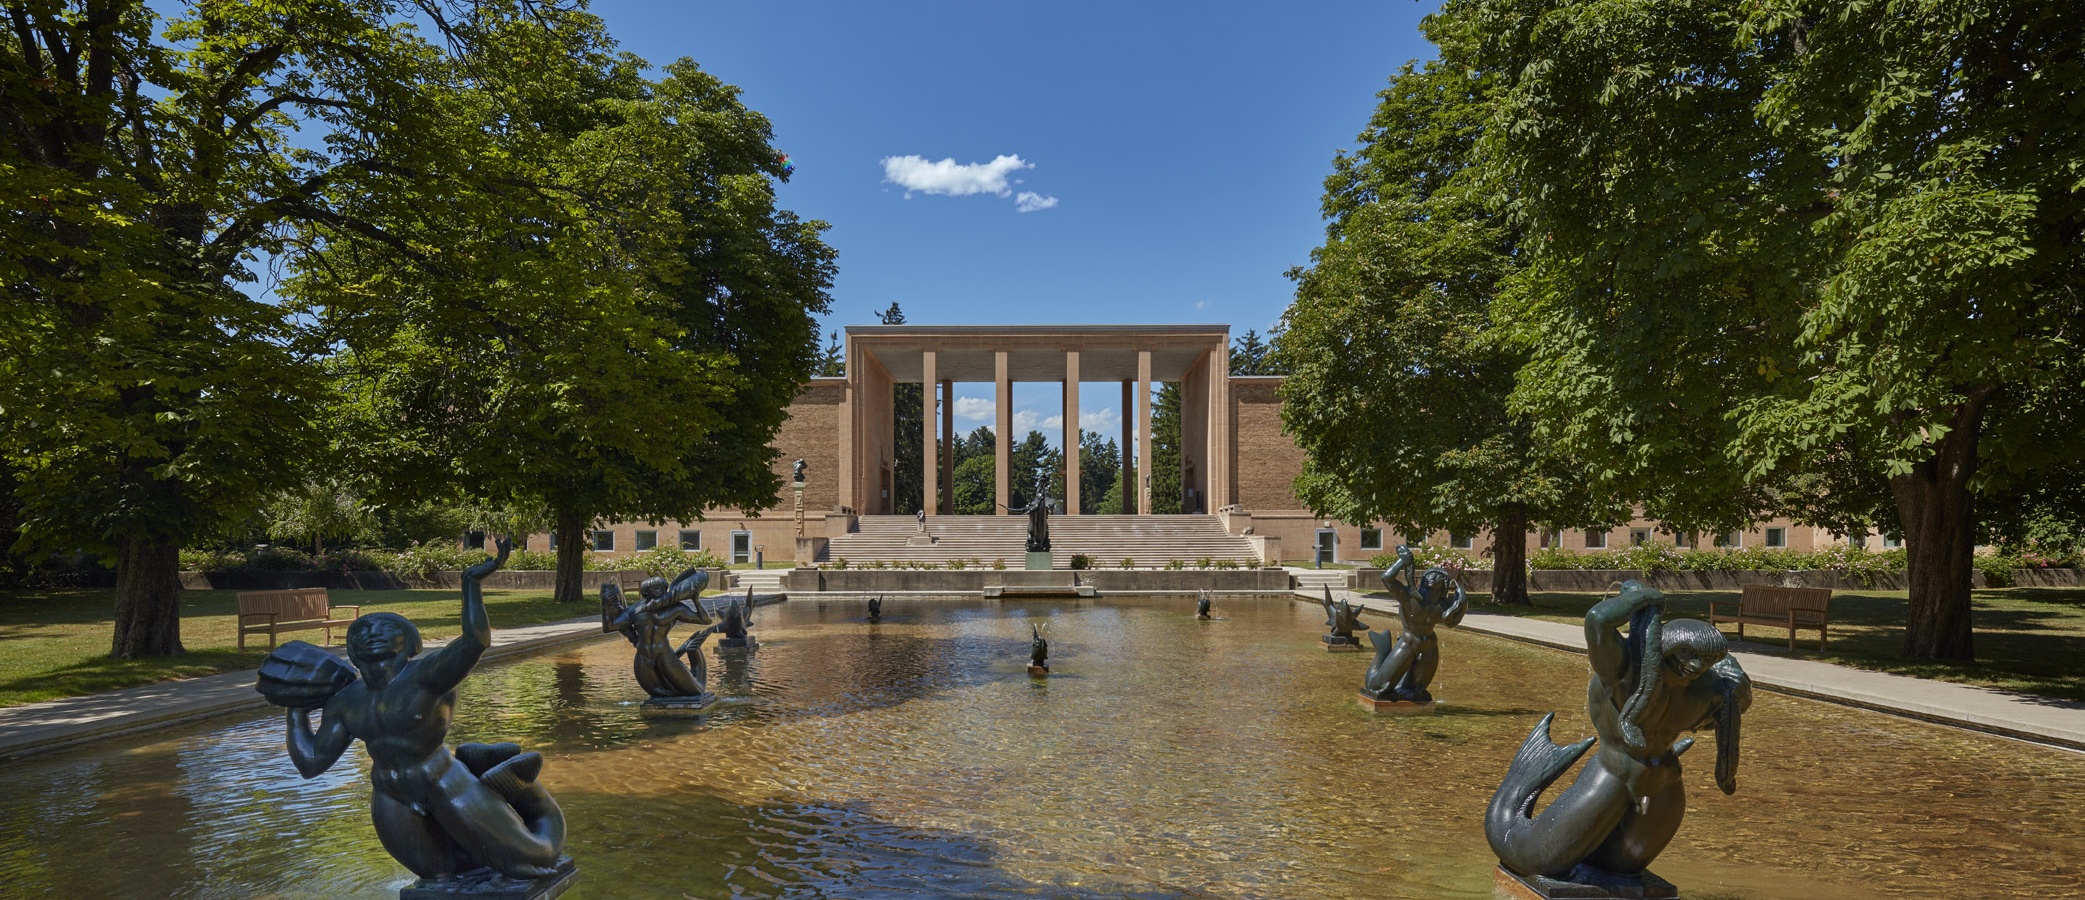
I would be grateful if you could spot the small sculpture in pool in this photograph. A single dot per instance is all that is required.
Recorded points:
(1202, 606)
(732, 623)
(1038, 649)
(1341, 618)
(443, 816)
(875, 608)
(1659, 680)
(1404, 667)
(648, 624)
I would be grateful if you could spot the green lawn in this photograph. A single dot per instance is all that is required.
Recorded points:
(56, 643)
(2030, 640)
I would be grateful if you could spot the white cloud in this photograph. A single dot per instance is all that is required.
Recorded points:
(916, 173)
(1102, 420)
(975, 409)
(1029, 201)
(1025, 420)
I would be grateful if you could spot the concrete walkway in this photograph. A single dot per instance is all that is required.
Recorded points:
(2025, 716)
(40, 727)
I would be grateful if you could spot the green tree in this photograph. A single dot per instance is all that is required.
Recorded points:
(1813, 247)
(144, 162)
(1100, 470)
(908, 426)
(611, 322)
(320, 508)
(1252, 356)
(1398, 373)
(832, 361)
(1029, 455)
(1166, 459)
(975, 489)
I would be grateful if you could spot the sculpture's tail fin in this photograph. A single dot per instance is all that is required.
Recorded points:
(1509, 821)
(515, 781)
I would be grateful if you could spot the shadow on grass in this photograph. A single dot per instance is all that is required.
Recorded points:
(2028, 640)
(104, 673)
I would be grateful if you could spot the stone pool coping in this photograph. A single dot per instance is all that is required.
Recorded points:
(2041, 720)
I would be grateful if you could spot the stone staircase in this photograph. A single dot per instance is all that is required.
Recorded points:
(762, 581)
(1314, 581)
(1151, 541)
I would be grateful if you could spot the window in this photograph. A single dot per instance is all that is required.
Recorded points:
(1732, 539)
(474, 540)
(1683, 539)
(1777, 537)
(553, 542)
(647, 540)
(1550, 539)
(604, 541)
(1371, 538)
(1639, 537)
(691, 540)
(1596, 540)
(1460, 541)
(1891, 542)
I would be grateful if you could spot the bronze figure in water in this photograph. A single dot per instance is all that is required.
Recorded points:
(1404, 667)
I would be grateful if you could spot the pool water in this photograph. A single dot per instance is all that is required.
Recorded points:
(1164, 757)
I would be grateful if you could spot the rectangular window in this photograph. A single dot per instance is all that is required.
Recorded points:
(1550, 539)
(647, 540)
(1639, 537)
(1683, 539)
(1731, 539)
(1371, 538)
(691, 540)
(1461, 541)
(1777, 537)
(474, 540)
(1891, 542)
(604, 541)
(1596, 540)
(553, 542)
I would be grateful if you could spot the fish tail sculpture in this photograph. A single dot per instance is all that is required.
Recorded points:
(1550, 844)
(1381, 675)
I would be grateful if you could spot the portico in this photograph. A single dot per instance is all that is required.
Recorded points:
(879, 357)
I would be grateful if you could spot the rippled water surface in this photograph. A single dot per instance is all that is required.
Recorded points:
(1164, 757)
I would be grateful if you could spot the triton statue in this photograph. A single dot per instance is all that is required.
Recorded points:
(732, 623)
(1341, 618)
(796, 471)
(1038, 652)
(1202, 606)
(1038, 513)
(875, 607)
(649, 622)
(1404, 668)
(1647, 687)
(447, 818)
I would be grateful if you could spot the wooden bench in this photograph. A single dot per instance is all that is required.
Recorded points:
(1781, 607)
(274, 612)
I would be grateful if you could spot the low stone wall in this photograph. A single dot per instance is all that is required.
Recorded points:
(974, 581)
(1603, 580)
(511, 580)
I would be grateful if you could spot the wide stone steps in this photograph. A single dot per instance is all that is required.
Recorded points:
(1150, 541)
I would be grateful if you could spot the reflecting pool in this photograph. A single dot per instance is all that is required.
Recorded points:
(1164, 757)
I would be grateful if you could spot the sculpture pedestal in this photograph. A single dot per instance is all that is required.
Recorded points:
(1393, 707)
(1039, 561)
(1038, 671)
(676, 707)
(485, 884)
(1591, 886)
(1338, 645)
(921, 539)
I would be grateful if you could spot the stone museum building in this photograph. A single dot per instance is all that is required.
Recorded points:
(1236, 465)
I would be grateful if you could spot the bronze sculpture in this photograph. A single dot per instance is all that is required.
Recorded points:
(1404, 667)
(875, 607)
(1038, 513)
(1038, 652)
(648, 624)
(732, 624)
(1202, 606)
(448, 818)
(796, 471)
(1647, 687)
(1341, 618)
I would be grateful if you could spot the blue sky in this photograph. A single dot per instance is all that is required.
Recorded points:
(1179, 150)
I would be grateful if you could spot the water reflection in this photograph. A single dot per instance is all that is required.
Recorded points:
(1164, 757)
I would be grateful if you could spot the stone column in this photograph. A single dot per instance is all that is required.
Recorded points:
(1129, 489)
(1143, 432)
(1002, 469)
(1071, 432)
(948, 440)
(931, 476)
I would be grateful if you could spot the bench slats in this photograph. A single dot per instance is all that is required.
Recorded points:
(273, 612)
(1782, 607)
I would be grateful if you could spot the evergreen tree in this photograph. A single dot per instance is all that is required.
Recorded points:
(908, 430)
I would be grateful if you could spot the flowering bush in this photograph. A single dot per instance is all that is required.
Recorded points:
(1427, 556)
(666, 562)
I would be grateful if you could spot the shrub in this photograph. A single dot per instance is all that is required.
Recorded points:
(665, 561)
(278, 559)
(958, 564)
(999, 564)
(1081, 561)
(840, 563)
(1174, 564)
(531, 560)
(1128, 563)
(1997, 567)
(1226, 564)
(211, 560)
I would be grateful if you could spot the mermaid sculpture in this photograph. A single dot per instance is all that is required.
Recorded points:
(1647, 688)
(1202, 606)
(1404, 667)
(648, 624)
(1341, 618)
(876, 608)
(472, 818)
(732, 624)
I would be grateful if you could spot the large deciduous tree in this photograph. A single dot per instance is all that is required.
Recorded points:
(609, 322)
(144, 162)
(1398, 373)
(1819, 246)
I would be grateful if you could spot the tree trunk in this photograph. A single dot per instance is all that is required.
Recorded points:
(1509, 557)
(571, 554)
(1939, 519)
(148, 599)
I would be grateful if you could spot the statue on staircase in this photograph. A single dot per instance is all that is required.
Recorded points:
(1038, 513)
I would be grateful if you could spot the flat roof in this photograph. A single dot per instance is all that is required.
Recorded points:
(1036, 352)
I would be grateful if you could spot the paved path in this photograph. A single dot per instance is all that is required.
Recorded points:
(2025, 716)
(39, 727)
